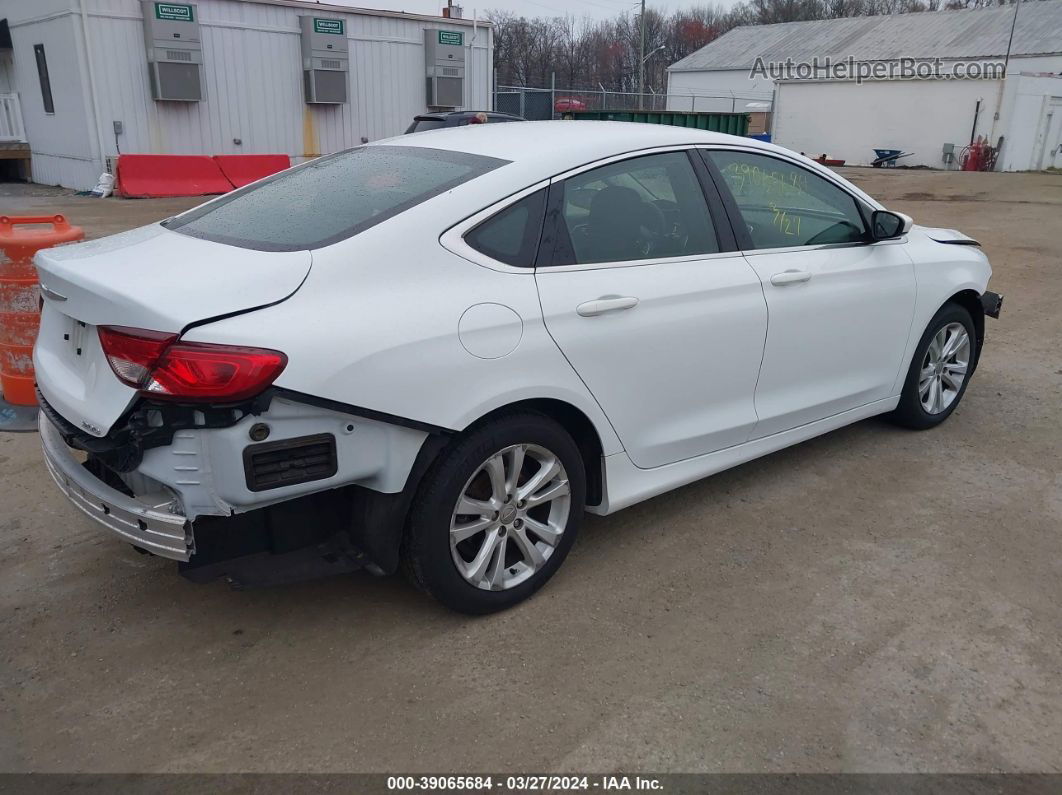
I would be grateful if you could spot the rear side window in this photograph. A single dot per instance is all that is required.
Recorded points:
(645, 208)
(331, 198)
(512, 235)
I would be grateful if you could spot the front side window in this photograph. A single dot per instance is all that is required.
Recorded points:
(331, 198)
(649, 207)
(786, 205)
(512, 235)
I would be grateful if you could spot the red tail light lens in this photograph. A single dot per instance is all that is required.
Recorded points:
(200, 371)
(133, 352)
(163, 368)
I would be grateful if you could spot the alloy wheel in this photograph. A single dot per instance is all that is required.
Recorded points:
(944, 368)
(510, 517)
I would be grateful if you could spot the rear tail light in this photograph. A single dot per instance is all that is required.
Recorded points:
(132, 352)
(161, 367)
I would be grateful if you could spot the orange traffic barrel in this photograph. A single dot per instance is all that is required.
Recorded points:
(20, 297)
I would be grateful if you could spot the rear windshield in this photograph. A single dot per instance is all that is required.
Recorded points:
(331, 198)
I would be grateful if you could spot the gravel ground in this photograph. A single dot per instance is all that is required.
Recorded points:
(873, 600)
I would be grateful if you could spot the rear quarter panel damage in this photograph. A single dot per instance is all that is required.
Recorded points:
(377, 325)
(206, 467)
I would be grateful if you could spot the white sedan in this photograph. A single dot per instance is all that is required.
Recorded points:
(437, 351)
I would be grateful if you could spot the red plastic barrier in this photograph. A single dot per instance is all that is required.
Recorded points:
(154, 176)
(244, 169)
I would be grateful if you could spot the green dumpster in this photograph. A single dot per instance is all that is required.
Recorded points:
(730, 123)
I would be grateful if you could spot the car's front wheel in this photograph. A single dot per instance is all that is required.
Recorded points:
(496, 515)
(940, 370)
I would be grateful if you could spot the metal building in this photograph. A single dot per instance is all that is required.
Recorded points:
(82, 80)
(819, 112)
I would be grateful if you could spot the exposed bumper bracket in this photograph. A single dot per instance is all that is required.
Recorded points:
(164, 534)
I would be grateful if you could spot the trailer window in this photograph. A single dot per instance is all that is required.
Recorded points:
(42, 75)
(331, 198)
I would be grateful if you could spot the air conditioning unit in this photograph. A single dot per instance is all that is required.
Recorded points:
(325, 60)
(174, 50)
(444, 52)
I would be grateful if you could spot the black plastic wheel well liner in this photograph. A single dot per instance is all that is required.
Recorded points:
(577, 424)
(374, 521)
(378, 520)
(970, 300)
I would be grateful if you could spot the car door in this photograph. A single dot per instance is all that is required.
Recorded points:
(644, 292)
(840, 306)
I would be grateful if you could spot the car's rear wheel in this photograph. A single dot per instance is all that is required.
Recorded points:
(940, 370)
(496, 515)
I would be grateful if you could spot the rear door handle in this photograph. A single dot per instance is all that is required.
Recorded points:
(606, 303)
(790, 277)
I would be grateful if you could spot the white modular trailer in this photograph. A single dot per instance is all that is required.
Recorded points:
(252, 80)
(846, 120)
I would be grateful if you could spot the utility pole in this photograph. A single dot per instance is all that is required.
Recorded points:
(641, 57)
(1010, 41)
(1006, 68)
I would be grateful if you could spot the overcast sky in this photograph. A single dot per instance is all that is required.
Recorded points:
(597, 9)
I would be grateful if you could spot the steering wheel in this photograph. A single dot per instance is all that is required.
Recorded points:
(674, 230)
(653, 225)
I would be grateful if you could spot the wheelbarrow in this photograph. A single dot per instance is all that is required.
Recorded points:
(888, 157)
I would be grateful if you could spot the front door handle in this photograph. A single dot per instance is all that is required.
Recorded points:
(790, 277)
(606, 303)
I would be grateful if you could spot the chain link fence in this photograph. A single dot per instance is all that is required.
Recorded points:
(534, 104)
(539, 104)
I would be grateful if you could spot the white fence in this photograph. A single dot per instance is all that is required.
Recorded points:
(11, 128)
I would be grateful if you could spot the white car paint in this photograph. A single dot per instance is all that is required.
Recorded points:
(667, 398)
(148, 278)
(713, 363)
(210, 466)
(370, 337)
(938, 276)
(837, 337)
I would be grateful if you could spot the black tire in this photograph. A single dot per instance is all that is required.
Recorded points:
(910, 413)
(426, 553)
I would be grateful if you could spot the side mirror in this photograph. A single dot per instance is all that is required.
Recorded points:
(887, 225)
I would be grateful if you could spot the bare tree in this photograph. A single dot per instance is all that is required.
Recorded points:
(587, 53)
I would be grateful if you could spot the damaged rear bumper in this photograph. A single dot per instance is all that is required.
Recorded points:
(165, 534)
(329, 491)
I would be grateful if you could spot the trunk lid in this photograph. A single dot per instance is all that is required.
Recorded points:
(148, 278)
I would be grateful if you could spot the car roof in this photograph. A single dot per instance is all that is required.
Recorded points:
(555, 146)
(538, 150)
(445, 114)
